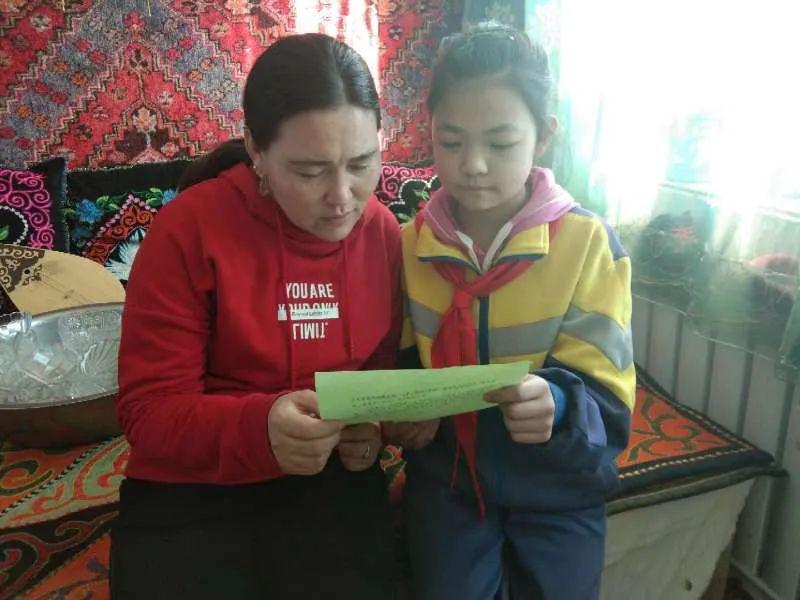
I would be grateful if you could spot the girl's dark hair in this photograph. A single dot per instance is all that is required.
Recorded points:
(492, 49)
(296, 74)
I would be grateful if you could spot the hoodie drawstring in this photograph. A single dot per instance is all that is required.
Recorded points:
(290, 344)
(345, 302)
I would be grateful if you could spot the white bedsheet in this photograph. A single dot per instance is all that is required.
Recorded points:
(669, 551)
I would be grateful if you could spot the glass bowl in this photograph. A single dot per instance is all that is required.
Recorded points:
(58, 375)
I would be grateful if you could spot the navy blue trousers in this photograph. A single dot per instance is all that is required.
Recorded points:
(543, 556)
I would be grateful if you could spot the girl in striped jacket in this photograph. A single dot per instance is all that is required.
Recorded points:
(503, 265)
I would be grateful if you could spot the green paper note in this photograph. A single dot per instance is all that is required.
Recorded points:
(411, 395)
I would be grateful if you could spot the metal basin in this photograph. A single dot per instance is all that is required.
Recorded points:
(58, 376)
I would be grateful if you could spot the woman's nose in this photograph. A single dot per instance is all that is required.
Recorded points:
(339, 195)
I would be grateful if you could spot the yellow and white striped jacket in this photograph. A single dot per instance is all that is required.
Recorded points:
(568, 314)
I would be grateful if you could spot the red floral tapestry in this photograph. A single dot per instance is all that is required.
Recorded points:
(122, 81)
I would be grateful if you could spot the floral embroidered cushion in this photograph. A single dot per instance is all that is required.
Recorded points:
(117, 241)
(110, 210)
(31, 200)
(405, 188)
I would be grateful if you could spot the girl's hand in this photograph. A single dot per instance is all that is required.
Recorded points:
(528, 409)
(411, 435)
(359, 446)
(300, 440)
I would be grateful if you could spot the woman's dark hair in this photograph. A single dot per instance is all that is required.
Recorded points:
(298, 73)
(492, 49)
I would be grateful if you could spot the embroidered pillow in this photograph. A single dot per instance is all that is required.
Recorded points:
(405, 188)
(31, 205)
(117, 242)
(96, 196)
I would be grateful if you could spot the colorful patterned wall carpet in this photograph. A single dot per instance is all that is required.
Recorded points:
(57, 507)
(115, 82)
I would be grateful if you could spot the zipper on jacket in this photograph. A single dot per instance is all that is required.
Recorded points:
(483, 330)
(494, 448)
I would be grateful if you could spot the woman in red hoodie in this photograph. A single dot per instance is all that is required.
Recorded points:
(250, 281)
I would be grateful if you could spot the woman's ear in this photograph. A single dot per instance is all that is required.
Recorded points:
(252, 149)
(545, 137)
(256, 158)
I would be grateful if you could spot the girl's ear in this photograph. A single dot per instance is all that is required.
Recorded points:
(545, 137)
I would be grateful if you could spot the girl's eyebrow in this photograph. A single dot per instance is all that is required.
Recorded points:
(502, 128)
(448, 127)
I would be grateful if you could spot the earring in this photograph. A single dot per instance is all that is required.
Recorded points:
(263, 184)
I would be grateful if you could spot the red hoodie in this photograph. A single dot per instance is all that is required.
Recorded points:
(228, 307)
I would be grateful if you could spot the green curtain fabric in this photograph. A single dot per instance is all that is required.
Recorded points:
(679, 125)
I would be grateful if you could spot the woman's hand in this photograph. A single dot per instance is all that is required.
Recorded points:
(528, 409)
(300, 440)
(359, 446)
(411, 435)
